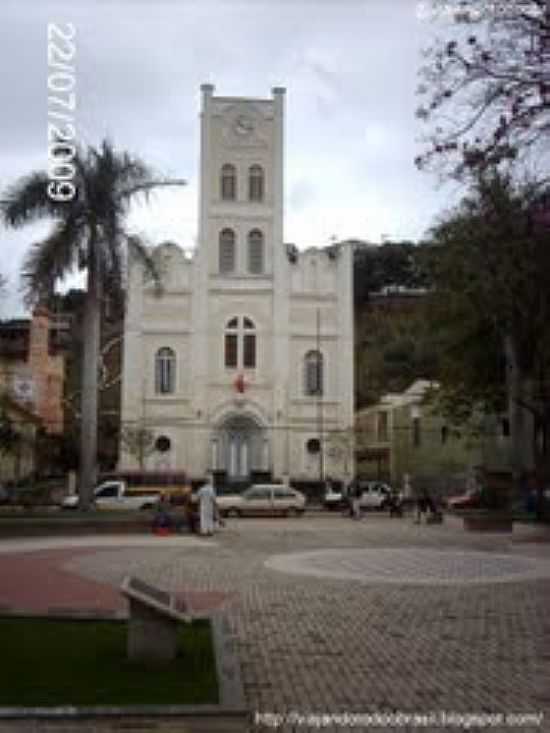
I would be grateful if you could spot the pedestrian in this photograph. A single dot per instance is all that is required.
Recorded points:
(207, 508)
(356, 502)
(350, 491)
(189, 508)
(178, 502)
(395, 503)
(162, 521)
(425, 504)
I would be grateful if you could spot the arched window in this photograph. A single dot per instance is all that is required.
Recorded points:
(165, 371)
(255, 252)
(231, 343)
(240, 343)
(313, 373)
(227, 251)
(228, 182)
(249, 344)
(255, 183)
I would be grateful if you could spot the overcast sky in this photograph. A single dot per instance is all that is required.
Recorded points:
(349, 66)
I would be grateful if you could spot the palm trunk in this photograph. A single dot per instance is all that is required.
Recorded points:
(88, 426)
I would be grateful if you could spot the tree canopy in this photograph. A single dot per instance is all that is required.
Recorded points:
(89, 233)
(392, 264)
(485, 87)
(489, 262)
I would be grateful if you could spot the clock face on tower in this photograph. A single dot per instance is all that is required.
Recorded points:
(243, 125)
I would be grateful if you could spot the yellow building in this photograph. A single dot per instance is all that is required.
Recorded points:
(404, 436)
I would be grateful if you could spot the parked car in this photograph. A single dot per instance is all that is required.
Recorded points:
(374, 494)
(333, 498)
(263, 500)
(116, 495)
(469, 500)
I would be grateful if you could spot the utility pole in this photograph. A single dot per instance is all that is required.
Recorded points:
(320, 426)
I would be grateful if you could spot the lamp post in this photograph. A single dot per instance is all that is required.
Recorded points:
(319, 369)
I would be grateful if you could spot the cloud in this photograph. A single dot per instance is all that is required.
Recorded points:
(350, 72)
(302, 195)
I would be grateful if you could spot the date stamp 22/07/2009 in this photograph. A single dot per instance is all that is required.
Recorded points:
(61, 111)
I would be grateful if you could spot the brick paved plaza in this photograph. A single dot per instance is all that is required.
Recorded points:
(336, 616)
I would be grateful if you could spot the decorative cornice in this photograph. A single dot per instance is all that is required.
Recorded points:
(162, 331)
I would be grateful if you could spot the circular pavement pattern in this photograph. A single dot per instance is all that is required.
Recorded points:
(411, 566)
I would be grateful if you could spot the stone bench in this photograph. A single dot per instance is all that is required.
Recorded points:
(153, 621)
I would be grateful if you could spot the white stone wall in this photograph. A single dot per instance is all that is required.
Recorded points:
(283, 302)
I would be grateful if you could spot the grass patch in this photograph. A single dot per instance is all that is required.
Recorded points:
(48, 662)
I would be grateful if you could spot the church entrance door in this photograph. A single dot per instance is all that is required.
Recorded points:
(242, 447)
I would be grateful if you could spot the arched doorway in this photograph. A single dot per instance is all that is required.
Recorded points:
(239, 447)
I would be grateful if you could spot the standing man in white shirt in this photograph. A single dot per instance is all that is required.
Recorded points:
(207, 507)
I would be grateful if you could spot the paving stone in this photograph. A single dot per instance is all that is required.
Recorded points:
(445, 621)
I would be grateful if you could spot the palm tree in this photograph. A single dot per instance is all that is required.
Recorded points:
(88, 234)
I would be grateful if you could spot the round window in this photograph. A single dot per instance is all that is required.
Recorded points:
(313, 445)
(162, 444)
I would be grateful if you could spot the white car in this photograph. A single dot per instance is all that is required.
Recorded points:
(263, 500)
(115, 495)
(333, 498)
(374, 494)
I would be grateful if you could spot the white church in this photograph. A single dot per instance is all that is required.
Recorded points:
(243, 365)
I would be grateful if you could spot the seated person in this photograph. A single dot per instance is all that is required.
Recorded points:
(424, 503)
(395, 503)
(162, 519)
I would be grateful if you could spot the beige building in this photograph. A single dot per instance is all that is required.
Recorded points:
(245, 362)
(403, 436)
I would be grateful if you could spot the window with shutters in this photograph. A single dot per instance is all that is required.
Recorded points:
(227, 251)
(228, 182)
(313, 373)
(255, 252)
(165, 371)
(249, 351)
(240, 343)
(255, 183)
(231, 350)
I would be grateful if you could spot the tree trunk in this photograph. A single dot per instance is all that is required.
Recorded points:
(521, 442)
(542, 462)
(88, 426)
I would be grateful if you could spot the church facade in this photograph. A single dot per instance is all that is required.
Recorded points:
(243, 365)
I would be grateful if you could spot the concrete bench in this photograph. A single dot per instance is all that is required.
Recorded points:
(153, 622)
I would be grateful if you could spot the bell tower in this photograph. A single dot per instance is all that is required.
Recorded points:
(241, 184)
